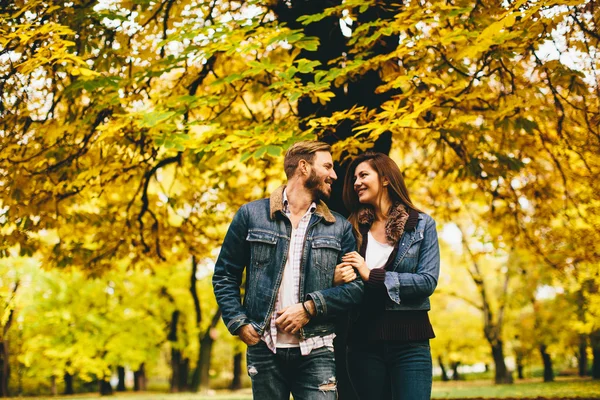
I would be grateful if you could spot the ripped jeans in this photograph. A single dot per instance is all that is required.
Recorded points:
(275, 376)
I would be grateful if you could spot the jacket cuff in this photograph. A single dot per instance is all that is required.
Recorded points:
(236, 323)
(376, 278)
(320, 305)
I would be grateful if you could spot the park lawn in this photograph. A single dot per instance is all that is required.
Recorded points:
(534, 388)
(244, 394)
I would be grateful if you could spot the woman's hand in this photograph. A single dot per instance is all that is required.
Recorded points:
(356, 260)
(344, 273)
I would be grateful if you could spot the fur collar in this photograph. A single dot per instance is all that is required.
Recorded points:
(276, 204)
(398, 217)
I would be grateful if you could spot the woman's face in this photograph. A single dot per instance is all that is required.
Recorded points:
(367, 184)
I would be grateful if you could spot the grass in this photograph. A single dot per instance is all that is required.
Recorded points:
(533, 388)
(245, 394)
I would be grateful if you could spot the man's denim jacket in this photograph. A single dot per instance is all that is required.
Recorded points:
(258, 240)
(415, 272)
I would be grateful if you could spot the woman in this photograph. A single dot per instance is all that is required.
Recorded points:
(398, 259)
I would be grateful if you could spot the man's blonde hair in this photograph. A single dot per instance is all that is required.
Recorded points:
(302, 151)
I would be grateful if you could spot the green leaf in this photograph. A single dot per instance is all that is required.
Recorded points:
(274, 151)
(309, 19)
(152, 119)
(245, 157)
(306, 66)
(459, 11)
(295, 96)
(308, 43)
(258, 154)
(526, 124)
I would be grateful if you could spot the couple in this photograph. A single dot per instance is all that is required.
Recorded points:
(304, 274)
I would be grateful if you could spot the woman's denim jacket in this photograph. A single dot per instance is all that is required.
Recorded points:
(258, 240)
(415, 272)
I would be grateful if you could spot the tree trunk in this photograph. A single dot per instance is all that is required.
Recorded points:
(595, 343)
(4, 353)
(520, 369)
(582, 360)
(139, 379)
(519, 356)
(5, 374)
(596, 363)
(359, 92)
(104, 387)
(455, 375)
(68, 378)
(195, 385)
(204, 362)
(502, 375)
(121, 375)
(178, 370)
(175, 363)
(548, 372)
(443, 368)
(53, 386)
(236, 382)
(184, 372)
(201, 374)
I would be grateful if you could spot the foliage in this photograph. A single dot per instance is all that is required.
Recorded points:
(121, 89)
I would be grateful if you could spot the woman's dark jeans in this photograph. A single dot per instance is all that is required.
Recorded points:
(396, 370)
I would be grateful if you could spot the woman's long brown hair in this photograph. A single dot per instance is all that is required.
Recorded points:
(385, 168)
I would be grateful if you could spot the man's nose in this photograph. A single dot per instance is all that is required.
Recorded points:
(333, 175)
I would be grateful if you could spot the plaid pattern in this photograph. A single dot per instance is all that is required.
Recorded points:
(294, 261)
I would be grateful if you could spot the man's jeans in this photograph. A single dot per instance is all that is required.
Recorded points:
(404, 369)
(275, 376)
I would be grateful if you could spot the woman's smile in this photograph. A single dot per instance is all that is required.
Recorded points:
(366, 183)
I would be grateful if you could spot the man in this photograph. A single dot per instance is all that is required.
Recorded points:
(289, 245)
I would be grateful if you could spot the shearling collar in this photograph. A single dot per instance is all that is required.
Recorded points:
(399, 219)
(276, 204)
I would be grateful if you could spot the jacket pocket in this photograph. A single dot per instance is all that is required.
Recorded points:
(325, 252)
(413, 250)
(409, 259)
(262, 247)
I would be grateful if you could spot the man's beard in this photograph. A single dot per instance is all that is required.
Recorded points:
(317, 187)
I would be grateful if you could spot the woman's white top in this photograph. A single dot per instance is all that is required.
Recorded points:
(377, 253)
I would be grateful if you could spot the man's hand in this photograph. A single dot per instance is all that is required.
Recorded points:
(294, 317)
(248, 335)
(344, 273)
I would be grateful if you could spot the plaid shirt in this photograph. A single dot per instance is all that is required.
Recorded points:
(293, 266)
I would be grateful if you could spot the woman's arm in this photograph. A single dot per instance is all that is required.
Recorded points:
(405, 285)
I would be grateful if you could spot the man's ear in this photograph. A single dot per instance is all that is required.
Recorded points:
(304, 167)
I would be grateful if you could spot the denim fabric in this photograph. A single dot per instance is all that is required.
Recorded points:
(416, 269)
(257, 241)
(275, 376)
(387, 370)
